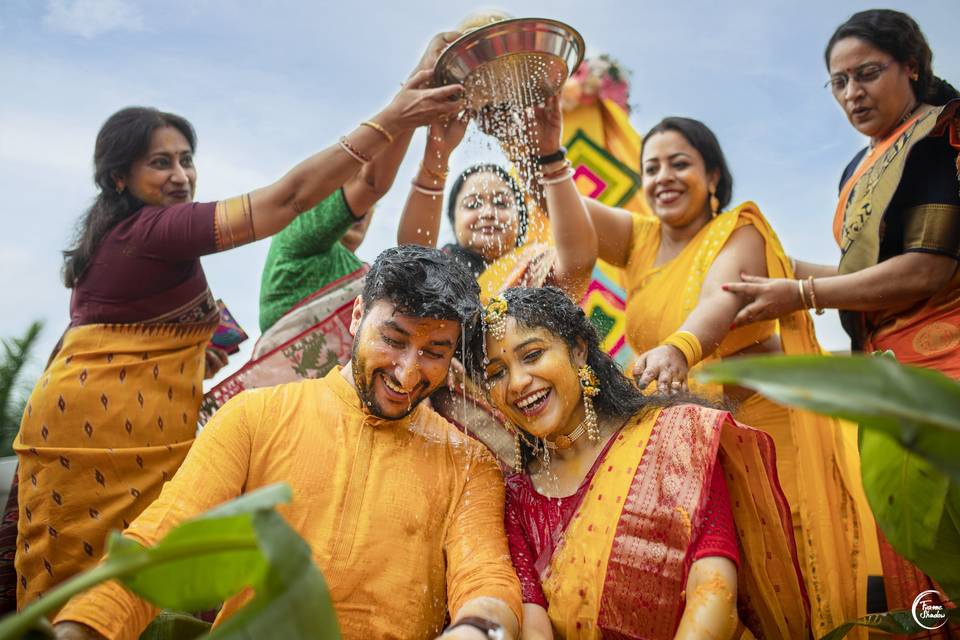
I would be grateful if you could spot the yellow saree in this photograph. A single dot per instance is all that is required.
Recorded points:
(830, 518)
(109, 421)
(618, 570)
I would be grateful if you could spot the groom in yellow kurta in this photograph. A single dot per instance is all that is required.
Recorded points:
(403, 513)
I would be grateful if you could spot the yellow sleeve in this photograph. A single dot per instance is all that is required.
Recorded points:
(478, 558)
(213, 472)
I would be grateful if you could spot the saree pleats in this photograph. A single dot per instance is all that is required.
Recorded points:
(619, 570)
(109, 421)
(830, 523)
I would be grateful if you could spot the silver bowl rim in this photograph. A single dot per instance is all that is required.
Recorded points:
(439, 75)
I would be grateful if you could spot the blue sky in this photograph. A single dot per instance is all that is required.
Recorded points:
(267, 84)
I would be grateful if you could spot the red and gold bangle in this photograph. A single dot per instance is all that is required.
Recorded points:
(440, 176)
(556, 172)
(813, 297)
(688, 344)
(353, 152)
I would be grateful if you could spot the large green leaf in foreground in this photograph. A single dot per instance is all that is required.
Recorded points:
(909, 441)
(898, 622)
(919, 408)
(243, 543)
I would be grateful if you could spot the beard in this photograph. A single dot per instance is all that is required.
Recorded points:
(364, 381)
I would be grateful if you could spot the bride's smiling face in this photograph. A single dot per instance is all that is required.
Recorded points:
(532, 379)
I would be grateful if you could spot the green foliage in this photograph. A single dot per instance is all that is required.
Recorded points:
(898, 622)
(15, 356)
(909, 441)
(243, 543)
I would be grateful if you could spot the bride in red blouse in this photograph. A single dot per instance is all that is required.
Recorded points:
(624, 511)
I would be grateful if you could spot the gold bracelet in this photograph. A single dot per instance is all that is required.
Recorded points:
(803, 295)
(688, 344)
(437, 176)
(813, 297)
(376, 126)
(566, 175)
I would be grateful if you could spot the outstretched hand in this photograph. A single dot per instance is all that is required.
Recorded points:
(764, 298)
(418, 104)
(436, 47)
(664, 364)
(446, 133)
(546, 125)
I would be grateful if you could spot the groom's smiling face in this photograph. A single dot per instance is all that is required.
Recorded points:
(399, 360)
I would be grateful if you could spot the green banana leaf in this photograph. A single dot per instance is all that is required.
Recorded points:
(243, 543)
(899, 622)
(909, 441)
(919, 408)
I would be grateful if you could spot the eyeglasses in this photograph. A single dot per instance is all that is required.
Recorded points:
(861, 75)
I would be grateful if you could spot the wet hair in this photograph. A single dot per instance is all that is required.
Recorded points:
(898, 35)
(503, 174)
(549, 308)
(424, 283)
(123, 139)
(705, 142)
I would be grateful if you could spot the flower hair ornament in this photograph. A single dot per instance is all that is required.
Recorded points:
(495, 317)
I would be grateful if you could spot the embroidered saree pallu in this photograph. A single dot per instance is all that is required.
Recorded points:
(307, 342)
(619, 568)
(109, 421)
(925, 334)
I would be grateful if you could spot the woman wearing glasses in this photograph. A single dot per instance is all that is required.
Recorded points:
(898, 218)
(897, 221)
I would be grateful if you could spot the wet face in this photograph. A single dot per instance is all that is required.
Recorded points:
(872, 88)
(486, 219)
(675, 180)
(532, 378)
(165, 175)
(399, 360)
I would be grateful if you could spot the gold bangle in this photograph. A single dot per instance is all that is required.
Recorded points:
(803, 295)
(440, 176)
(813, 297)
(688, 344)
(376, 126)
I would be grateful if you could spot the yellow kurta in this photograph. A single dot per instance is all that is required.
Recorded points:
(404, 517)
(819, 473)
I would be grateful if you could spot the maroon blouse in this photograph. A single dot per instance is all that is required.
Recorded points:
(531, 518)
(147, 269)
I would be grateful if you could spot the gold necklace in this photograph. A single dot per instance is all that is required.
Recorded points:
(566, 441)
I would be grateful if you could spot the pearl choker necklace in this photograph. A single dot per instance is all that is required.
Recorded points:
(566, 441)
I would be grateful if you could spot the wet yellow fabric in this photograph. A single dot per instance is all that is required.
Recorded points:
(109, 421)
(673, 451)
(404, 517)
(832, 522)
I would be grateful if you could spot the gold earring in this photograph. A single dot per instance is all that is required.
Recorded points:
(714, 202)
(517, 453)
(590, 385)
(120, 189)
(546, 454)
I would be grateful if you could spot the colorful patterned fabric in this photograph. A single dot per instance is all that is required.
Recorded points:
(228, 334)
(404, 517)
(307, 342)
(819, 471)
(109, 421)
(619, 569)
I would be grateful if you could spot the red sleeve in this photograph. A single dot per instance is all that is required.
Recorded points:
(177, 233)
(718, 535)
(520, 551)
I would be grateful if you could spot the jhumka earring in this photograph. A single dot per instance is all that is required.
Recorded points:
(495, 317)
(590, 385)
(714, 201)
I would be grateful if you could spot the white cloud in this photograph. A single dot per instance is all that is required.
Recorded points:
(91, 18)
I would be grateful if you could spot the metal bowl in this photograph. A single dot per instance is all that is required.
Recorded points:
(521, 60)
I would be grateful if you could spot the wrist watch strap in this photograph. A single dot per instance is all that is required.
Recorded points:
(556, 156)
